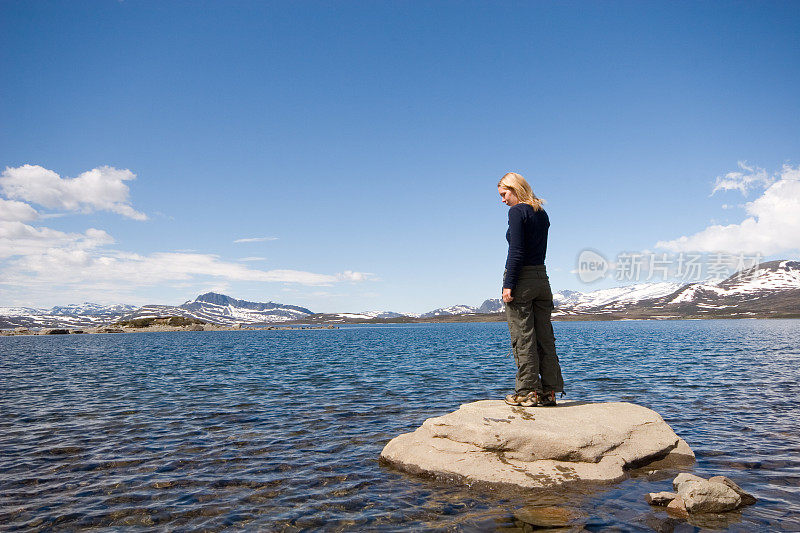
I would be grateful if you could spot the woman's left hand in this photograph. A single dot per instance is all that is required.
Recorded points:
(507, 295)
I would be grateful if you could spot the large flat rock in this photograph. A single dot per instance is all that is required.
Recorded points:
(537, 446)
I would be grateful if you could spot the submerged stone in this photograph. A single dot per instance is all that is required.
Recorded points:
(684, 477)
(660, 498)
(677, 507)
(708, 497)
(532, 447)
(747, 498)
(543, 517)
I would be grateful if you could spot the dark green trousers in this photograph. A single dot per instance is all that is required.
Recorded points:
(532, 339)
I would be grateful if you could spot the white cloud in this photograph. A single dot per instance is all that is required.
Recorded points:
(38, 260)
(36, 256)
(252, 259)
(349, 275)
(255, 239)
(79, 265)
(13, 211)
(772, 227)
(99, 189)
(19, 239)
(743, 180)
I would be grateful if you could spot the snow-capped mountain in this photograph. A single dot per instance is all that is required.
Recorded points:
(769, 289)
(493, 305)
(210, 307)
(766, 278)
(21, 311)
(452, 310)
(618, 297)
(69, 316)
(221, 309)
(369, 315)
(90, 309)
(566, 297)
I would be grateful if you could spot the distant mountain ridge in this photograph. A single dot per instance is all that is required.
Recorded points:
(222, 300)
(209, 307)
(494, 305)
(224, 310)
(67, 316)
(771, 289)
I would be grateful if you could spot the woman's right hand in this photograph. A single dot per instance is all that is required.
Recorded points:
(507, 295)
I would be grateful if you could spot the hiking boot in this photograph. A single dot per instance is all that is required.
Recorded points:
(531, 399)
(548, 399)
(515, 399)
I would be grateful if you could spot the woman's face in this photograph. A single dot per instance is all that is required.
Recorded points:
(508, 197)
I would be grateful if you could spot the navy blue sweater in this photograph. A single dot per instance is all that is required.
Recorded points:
(527, 240)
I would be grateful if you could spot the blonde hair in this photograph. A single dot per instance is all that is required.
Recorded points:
(521, 189)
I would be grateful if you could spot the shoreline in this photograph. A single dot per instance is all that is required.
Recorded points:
(501, 317)
(96, 330)
(330, 324)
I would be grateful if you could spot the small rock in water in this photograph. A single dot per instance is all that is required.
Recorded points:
(544, 517)
(747, 498)
(677, 507)
(715, 495)
(708, 497)
(660, 498)
(683, 477)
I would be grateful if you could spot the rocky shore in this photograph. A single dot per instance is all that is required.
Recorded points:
(149, 329)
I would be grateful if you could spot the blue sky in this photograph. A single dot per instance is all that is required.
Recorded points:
(361, 143)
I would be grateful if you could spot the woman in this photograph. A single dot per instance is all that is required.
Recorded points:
(528, 298)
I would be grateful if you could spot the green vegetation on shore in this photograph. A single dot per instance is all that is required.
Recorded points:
(176, 321)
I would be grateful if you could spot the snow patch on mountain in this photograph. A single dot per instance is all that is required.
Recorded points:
(622, 296)
(356, 316)
(68, 316)
(493, 305)
(566, 296)
(451, 310)
(21, 311)
(91, 309)
(221, 309)
(774, 276)
(371, 314)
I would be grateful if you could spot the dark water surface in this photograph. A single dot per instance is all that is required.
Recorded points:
(281, 430)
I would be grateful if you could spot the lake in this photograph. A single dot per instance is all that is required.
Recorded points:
(281, 430)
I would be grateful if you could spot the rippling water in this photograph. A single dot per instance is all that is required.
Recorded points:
(281, 430)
